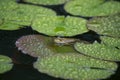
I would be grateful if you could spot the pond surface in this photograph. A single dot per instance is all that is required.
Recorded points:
(23, 64)
(23, 69)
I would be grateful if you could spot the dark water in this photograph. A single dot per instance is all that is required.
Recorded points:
(23, 69)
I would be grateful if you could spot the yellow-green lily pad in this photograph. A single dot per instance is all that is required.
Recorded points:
(110, 41)
(75, 66)
(22, 15)
(90, 8)
(60, 25)
(25, 13)
(9, 25)
(47, 2)
(109, 25)
(5, 64)
(100, 51)
(7, 5)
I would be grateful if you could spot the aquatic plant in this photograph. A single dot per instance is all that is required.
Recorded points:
(5, 64)
(48, 2)
(60, 25)
(75, 66)
(8, 5)
(20, 16)
(97, 50)
(90, 8)
(85, 61)
(110, 41)
(63, 61)
(40, 46)
(109, 25)
(34, 45)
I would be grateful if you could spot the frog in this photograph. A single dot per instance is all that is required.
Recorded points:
(65, 41)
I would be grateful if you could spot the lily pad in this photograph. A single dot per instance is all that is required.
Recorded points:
(9, 25)
(40, 46)
(8, 5)
(60, 25)
(97, 50)
(23, 15)
(34, 45)
(5, 64)
(90, 8)
(110, 41)
(48, 2)
(109, 26)
(75, 66)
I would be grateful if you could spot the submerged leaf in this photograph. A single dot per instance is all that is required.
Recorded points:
(5, 64)
(47, 2)
(90, 8)
(60, 25)
(97, 50)
(75, 66)
(106, 25)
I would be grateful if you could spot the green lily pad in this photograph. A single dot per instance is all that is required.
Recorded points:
(90, 8)
(10, 26)
(106, 25)
(23, 15)
(48, 2)
(8, 5)
(1, 21)
(75, 66)
(110, 41)
(5, 64)
(60, 25)
(97, 50)
(38, 45)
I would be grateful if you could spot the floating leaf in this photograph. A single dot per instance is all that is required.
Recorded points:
(22, 15)
(92, 8)
(97, 50)
(75, 66)
(106, 25)
(8, 5)
(110, 41)
(5, 64)
(9, 25)
(25, 14)
(34, 45)
(48, 2)
(60, 25)
(38, 45)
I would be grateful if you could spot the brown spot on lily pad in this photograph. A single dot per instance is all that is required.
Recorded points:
(34, 45)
